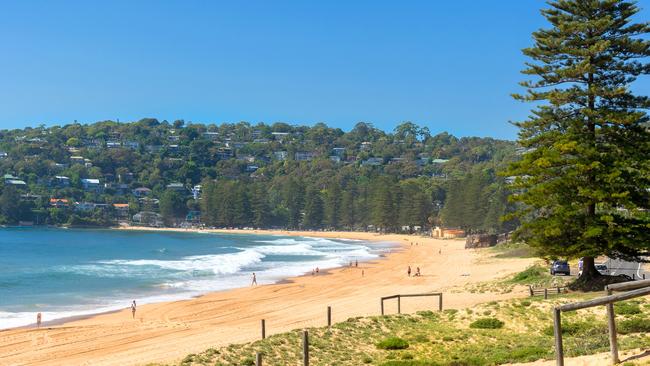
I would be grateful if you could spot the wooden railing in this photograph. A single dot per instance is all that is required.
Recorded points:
(546, 291)
(633, 288)
(399, 300)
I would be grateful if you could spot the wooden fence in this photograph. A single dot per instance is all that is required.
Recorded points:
(399, 300)
(546, 291)
(305, 333)
(633, 289)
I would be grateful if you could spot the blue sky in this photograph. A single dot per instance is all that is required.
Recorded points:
(447, 65)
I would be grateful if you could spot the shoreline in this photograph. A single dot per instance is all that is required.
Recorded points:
(168, 331)
(61, 321)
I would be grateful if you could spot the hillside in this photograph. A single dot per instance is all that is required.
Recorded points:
(243, 175)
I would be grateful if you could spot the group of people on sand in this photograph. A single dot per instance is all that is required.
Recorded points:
(416, 274)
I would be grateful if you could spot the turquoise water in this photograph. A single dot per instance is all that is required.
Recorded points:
(68, 272)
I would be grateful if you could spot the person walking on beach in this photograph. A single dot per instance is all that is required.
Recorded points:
(408, 271)
(356, 263)
(254, 283)
(133, 307)
(417, 272)
(38, 320)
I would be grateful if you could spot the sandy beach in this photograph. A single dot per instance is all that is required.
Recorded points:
(168, 331)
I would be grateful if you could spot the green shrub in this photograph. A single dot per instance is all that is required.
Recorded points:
(367, 359)
(407, 356)
(409, 363)
(627, 308)
(525, 303)
(530, 275)
(578, 328)
(393, 343)
(425, 313)
(249, 361)
(487, 323)
(634, 325)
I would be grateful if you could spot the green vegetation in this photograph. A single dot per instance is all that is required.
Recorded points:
(535, 274)
(515, 333)
(487, 323)
(634, 325)
(627, 308)
(582, 181)
(393, 343)
(263, 176)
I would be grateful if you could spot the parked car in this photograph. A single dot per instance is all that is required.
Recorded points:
(560, 267)
(602, 269)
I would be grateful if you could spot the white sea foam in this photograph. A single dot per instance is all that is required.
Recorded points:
(217, 263)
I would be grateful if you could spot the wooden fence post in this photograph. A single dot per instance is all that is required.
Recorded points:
(398, 305)
(263, 329)
(329, 316)
(258, 359)
(633, 276)
(557, 330)
(558, 289)
(440, 302)
(611, 323)
(644, 276)
(545, 293)
(382, 306)
(305, 348)
(532, 293)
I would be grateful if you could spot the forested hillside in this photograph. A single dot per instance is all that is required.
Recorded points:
(243, 175)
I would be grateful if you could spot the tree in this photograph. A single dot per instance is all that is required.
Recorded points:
(10, 204)
(384, 212)
(584, 180)
(260, 205)
(172, 206)
(348, 214)
(333, 206)
(313, 209)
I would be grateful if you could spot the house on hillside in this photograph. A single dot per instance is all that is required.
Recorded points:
(16, 182)
(77, 159)
(148, 218)
(141, 192)
(372, 162)
(91, 184)
(59, 202)
(304, 155)
(280, 155)
(3, 155)
(121, 210)
(179, 187)
(60, 181)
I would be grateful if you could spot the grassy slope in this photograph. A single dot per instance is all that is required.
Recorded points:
(446, 338)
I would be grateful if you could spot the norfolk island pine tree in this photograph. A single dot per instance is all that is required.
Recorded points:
(582, 184)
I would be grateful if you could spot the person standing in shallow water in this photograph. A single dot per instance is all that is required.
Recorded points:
(408, 271)
(38, 320)
(254, 282)
(133, 307)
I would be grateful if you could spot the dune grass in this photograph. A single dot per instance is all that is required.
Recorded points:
(446, 338)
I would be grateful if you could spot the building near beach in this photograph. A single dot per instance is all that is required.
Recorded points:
(442, 233)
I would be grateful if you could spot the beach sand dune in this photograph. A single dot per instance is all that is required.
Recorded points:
(168, 331)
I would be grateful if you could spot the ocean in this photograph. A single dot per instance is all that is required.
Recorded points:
(71, 272)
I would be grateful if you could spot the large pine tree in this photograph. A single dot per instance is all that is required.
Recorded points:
(584, 178)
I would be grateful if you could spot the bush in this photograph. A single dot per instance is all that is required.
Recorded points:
(530, 275)
(525, 303)
(487, 323)
(634, 325)
(627, 308)
(578, 328)
(393, 343)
